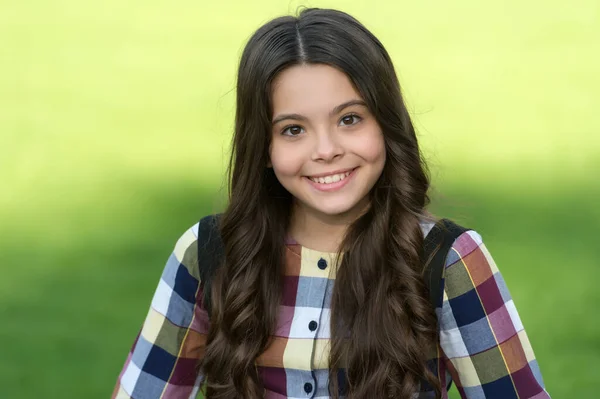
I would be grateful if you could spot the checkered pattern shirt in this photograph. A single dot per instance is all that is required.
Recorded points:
(483, 347)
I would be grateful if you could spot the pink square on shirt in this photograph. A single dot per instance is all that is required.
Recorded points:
(502, 324)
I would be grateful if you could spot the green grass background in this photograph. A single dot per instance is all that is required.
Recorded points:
(115, 119)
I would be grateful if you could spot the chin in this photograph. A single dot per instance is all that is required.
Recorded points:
(336, 210)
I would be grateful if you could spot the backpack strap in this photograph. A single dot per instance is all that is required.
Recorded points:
(210, 254)
(437, 244)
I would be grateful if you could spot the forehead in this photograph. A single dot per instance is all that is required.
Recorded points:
(311, 89)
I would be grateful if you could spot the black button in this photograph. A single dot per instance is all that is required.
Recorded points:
(312, 326)
(322, 263)
(308, 387)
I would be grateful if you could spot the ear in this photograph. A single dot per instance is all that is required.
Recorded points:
(269, 164)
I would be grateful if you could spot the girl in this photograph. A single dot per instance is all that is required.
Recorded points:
(321, 291)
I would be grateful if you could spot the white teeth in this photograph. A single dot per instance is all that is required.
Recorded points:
(330, 179)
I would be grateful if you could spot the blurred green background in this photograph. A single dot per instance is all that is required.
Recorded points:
(115, 120)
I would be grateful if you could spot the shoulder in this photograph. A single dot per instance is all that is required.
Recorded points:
(460, 241)
(466, 243)
(203, 230)
(184, 268)
(187, 240)
(186, 247)
(469, 252)
(462, 256)
(183, 261)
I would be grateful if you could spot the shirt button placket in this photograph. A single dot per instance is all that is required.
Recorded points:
(312, 326)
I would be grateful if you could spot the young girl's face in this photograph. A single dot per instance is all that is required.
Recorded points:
(327, 149)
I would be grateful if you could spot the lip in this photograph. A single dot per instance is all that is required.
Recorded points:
(335, 172)
(332, 186)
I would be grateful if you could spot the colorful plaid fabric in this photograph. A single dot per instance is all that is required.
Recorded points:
(483, 347)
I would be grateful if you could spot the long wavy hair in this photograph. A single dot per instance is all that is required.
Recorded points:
(383, 327)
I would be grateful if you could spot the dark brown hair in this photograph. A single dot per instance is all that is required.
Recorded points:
(383, 327)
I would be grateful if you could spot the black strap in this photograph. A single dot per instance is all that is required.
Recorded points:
(437, 244)
(210, 254)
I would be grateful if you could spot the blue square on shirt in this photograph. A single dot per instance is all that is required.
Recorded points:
(159, 363)
(478, 336)
(185, 284)
(474, 392)
(467, 308)
(170, 270)
(148, 386)
(141, 352)
(502, 388)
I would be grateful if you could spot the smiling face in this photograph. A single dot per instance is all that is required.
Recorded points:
(327, 149)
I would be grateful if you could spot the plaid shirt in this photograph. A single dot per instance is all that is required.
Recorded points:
(483, 347)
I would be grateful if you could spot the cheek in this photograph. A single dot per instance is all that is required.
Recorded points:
(372, 148)
(285, 161)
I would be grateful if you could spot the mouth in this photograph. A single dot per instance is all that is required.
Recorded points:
(331, 178)
(332, 181)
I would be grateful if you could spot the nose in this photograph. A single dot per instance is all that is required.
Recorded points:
(327, 146)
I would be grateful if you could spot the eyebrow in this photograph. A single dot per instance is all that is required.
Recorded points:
(334, 111)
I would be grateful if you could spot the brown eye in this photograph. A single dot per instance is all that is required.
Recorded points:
(350, 120)
(292, 131)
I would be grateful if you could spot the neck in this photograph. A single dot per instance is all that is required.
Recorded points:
(319, 231)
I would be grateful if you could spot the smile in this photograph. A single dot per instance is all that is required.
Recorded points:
(332, 182)
(330, 178)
